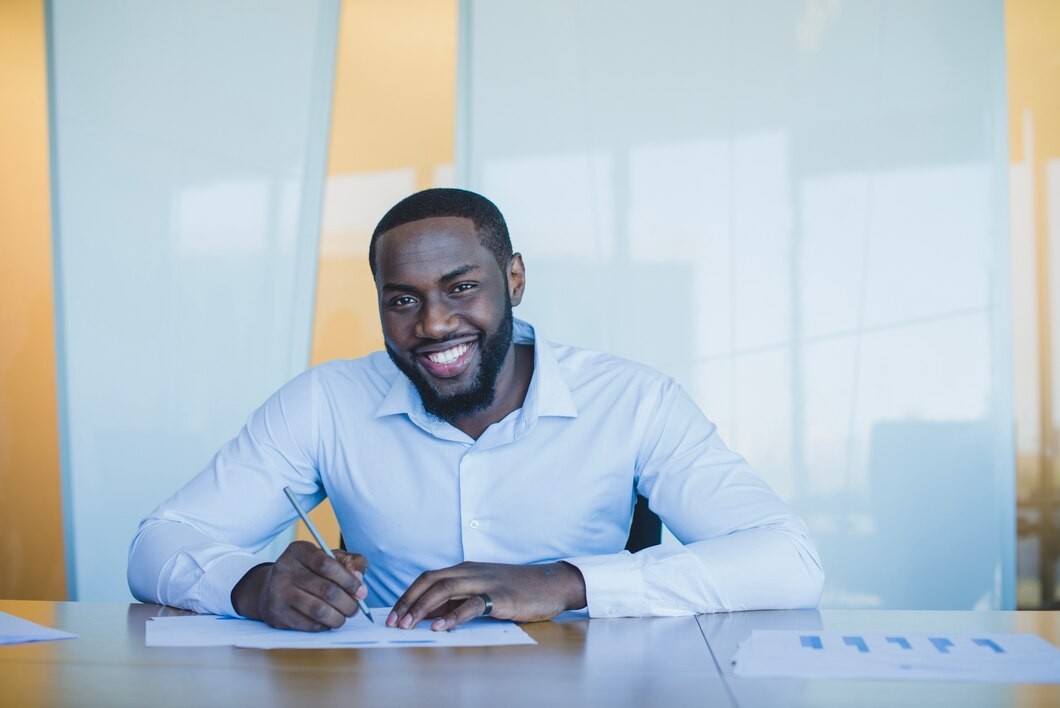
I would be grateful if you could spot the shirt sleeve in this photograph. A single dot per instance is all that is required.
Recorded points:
(741, 547)
(193, 549)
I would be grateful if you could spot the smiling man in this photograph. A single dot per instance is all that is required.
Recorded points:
(474, 467)
(450, 331)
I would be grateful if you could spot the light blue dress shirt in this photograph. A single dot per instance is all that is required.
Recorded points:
(554, 480)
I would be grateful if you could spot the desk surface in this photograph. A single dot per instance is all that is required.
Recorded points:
(642, 662)
(724, 631)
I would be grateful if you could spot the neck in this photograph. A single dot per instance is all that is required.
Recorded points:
(513, 382)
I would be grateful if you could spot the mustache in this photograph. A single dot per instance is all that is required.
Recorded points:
(447, 338)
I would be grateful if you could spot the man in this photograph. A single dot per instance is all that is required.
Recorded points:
(474, 467)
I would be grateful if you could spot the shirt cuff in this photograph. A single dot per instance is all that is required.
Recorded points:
(219, 580)
(614, 585)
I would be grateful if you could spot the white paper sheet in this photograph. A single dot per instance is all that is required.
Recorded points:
(357, 633)
(992, 658)
(15, 630)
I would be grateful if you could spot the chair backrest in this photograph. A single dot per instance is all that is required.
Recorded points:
(646, 530)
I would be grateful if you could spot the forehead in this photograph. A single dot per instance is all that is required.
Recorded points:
(429, 248)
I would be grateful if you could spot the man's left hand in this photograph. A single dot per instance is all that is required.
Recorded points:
(523, 593)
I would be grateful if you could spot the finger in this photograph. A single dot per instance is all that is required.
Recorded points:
(401, 607)
(310, 570)
(412, 594)
(467, 610)
(319, 564)
(302, 611)
(422, 584)
(357, 565)
(327, 592)
(443, 609)
(362, 592)
(437, 595)
(352, 561)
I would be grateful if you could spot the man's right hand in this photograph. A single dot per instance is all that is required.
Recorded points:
(304, 589)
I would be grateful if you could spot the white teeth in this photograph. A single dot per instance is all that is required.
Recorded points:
(449, 355)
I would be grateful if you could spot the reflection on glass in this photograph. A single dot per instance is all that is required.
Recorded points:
(189, 163)
(801, 218)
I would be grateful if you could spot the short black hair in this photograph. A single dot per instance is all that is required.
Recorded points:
(484, 214)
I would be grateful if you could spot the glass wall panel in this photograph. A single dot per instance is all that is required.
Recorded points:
(189, 145)
(800, 211)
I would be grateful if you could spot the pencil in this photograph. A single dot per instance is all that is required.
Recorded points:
(323, 546)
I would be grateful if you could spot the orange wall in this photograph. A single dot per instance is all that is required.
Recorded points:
(1032, 53)
(1032, 42)
(393, 112)
(31, 538)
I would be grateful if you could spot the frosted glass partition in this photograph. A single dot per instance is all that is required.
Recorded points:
(189, 151)
(799, 210)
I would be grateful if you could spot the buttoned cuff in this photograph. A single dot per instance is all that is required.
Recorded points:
(614, 585)
(215, 595)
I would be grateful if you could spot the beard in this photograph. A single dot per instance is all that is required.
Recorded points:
(480, 393)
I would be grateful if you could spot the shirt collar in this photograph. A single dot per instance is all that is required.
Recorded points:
(548, 394)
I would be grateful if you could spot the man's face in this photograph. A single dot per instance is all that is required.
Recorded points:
(446, 311)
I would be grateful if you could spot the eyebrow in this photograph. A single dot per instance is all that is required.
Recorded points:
(458, 272)
(451, 275)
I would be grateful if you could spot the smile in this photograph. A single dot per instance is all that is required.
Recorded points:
(449, 355)
(448, 363)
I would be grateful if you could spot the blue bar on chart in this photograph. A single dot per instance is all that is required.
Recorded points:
(858, 642)
(941, 643)
(810, 641)
(989, 643)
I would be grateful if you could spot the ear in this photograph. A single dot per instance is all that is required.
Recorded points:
(516, 278)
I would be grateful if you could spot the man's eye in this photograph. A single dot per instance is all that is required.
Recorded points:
(464, 287)
(402, 301)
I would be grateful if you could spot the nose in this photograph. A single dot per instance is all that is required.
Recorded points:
(436, 320)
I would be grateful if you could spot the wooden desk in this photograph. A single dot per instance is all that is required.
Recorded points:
(577, 662)
(622, 662)
(723, 632)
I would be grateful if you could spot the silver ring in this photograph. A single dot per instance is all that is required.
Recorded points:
(489, 604)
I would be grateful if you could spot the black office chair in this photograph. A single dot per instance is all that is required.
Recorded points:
(646, 530)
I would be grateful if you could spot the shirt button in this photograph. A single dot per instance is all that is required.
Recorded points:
(474, 523)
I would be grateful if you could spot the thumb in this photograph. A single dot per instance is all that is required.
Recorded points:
(352, 561)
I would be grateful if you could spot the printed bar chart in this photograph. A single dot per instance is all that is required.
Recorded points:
(997, 658)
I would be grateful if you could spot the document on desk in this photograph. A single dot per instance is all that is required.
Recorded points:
(989, 658)
(15, 630)
(357, 633)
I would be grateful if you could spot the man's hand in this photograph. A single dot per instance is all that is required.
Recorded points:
(304, 589)
(524, 593)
